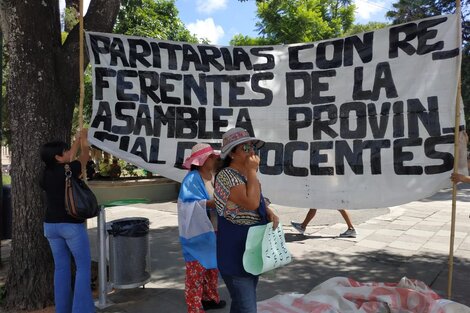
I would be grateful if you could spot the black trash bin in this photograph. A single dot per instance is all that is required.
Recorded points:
(129, 252)
(6, 213)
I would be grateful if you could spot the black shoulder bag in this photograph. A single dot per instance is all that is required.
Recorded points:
(80, 201)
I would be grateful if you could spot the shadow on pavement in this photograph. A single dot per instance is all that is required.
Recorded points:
(446, 194)
(303, 274)
(299, 237)
(165, 292)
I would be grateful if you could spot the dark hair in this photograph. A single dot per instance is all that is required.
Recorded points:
(226, 162)
(194, 167)
(50, 150)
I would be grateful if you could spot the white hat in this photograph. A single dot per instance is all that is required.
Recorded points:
(235, 136)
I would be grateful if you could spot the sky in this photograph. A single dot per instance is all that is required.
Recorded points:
(219, 20)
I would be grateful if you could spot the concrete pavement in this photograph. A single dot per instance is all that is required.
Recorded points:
(409, 240)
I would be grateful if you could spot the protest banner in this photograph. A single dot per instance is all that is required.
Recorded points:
(357, 122)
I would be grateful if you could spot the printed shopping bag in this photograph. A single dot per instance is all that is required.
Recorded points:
(265, 249)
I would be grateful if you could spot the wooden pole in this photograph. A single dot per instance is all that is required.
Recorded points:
(456, 162)
(82, 84)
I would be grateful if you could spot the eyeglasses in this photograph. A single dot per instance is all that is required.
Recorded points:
(248, 147)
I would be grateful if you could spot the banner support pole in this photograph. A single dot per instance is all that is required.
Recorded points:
(456, 159)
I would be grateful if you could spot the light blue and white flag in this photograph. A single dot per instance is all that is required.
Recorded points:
(197, 235)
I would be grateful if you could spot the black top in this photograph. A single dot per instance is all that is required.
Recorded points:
(53, 183)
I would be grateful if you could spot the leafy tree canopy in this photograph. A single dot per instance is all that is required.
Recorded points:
(147, 18)
(407, 10)
(362, 28)
(240, 40)
(291, 21)
(152, 18)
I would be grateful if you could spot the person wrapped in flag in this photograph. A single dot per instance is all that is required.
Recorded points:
(196, 231)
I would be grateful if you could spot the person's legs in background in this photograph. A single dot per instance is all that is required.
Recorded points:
(350, 232)
(301, 227)
(76, 237)
(242, 292)
(62, 273)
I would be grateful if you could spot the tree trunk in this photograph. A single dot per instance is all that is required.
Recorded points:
(1, 140)
(42, 90)
(33, 102)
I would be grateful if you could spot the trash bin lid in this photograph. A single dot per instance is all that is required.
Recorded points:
(129, 227)
(125, 202)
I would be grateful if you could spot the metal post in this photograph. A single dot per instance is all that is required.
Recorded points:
(102, 279)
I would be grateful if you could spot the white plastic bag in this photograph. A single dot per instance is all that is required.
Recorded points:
(265, 249)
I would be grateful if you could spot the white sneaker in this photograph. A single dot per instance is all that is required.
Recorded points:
(350, 233)
(298, 227)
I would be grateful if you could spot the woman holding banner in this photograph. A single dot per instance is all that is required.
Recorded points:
(459, 178)
(67, 235)
(240, 205)
(196, 231)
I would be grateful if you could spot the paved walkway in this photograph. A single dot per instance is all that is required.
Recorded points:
(409, 240)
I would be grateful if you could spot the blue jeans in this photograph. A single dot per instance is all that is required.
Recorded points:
(67, 239)
(242, 290)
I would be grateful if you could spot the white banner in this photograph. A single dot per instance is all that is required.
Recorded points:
(357, 122)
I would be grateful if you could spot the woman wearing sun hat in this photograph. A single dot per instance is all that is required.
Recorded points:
(197, 232)
(240, 205)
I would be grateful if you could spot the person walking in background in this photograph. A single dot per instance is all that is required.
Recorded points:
(195, 201)
(240, 205)
(67, 236)
(301, 227)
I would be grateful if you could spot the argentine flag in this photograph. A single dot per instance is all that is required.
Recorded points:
(197, 235)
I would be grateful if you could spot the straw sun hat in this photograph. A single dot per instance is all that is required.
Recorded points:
(199, 154)
(235, 136)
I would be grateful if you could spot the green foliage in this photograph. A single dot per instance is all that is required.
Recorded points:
(291, 21)
(3, 294)
(129, 169)
(409, 10)
(6, 179)
(152, 18)
(148, 18)
(240, 40)
(362, 28)
(70, 18)
(64, 35)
